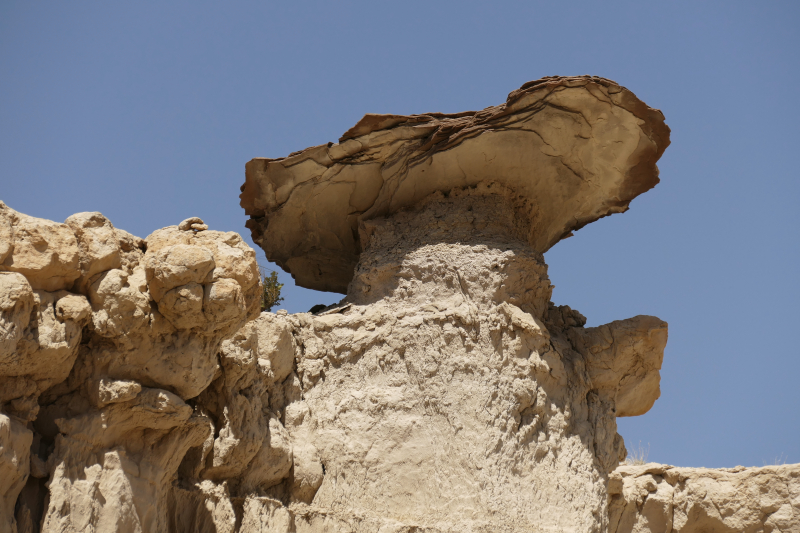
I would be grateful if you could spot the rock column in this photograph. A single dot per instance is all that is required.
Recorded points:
(446, 394)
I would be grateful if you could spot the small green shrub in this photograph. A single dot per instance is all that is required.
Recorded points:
(271, 295)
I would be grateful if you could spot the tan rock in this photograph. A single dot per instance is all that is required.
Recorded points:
(177, 265)
(272, 462)
(15, 445)
(131, 250)
(205, 508)
(40, 331)
(445, 375)
(113, 467)
(633, 348)
(192, 224)
(16, 304)
(115, 391)
(224, 303)
(45, 252)
(120, 303)
(576, 148)
(446, 393)
(265, 515)
(657, 498)
(251, 448)
(183, 306)
(98, 245)
(276, 346)
(6, 233)
(103, 379)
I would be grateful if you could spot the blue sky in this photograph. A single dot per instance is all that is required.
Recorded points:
(148, 111)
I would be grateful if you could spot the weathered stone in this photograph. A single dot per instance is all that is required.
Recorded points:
(574, 149)
(448, 388)
(15, 445)
(98, 245)
(91, 373)
(45, 252)
(113, 467)
(632, 348)
(16, 303)
(445, 393)
(656, 498)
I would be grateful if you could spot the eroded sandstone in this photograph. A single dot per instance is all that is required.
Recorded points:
(104, 337)
(447, 393)
(656, 498)
(577, 148)
(142, 391)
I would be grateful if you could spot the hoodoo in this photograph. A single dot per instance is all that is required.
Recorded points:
(446, 392)
(142, 391)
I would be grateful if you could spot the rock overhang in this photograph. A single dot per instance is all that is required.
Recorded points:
(575, 149)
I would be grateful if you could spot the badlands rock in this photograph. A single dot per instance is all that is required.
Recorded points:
(142, 391)
(657, 498)
(103, 339)
(577, 149)
(447, 393)
(45, 252)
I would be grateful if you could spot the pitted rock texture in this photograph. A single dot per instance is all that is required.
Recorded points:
(104, 338)
(656, 498)
(575, 148)
(447, 395)
(142, 391)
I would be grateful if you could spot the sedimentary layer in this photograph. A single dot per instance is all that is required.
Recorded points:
(575, 148)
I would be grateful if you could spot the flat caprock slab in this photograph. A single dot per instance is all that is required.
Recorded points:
(574, 149)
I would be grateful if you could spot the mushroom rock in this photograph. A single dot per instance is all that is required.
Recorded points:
(446, 392)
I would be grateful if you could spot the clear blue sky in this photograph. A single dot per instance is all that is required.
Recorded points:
(148, 111)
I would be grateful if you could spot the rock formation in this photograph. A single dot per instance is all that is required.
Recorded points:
(104, 338)
(576, 149)
(657, 498)
(447, 393)
(142, 391)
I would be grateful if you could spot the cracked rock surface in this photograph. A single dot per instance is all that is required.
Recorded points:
(577, 148)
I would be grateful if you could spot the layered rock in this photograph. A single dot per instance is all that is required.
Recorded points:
(656, 498)
(577, 148)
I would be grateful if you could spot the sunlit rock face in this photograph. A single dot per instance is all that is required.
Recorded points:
(662, 499)
(105, 340)
(576, 148)
(445, 393)
(141, 389)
